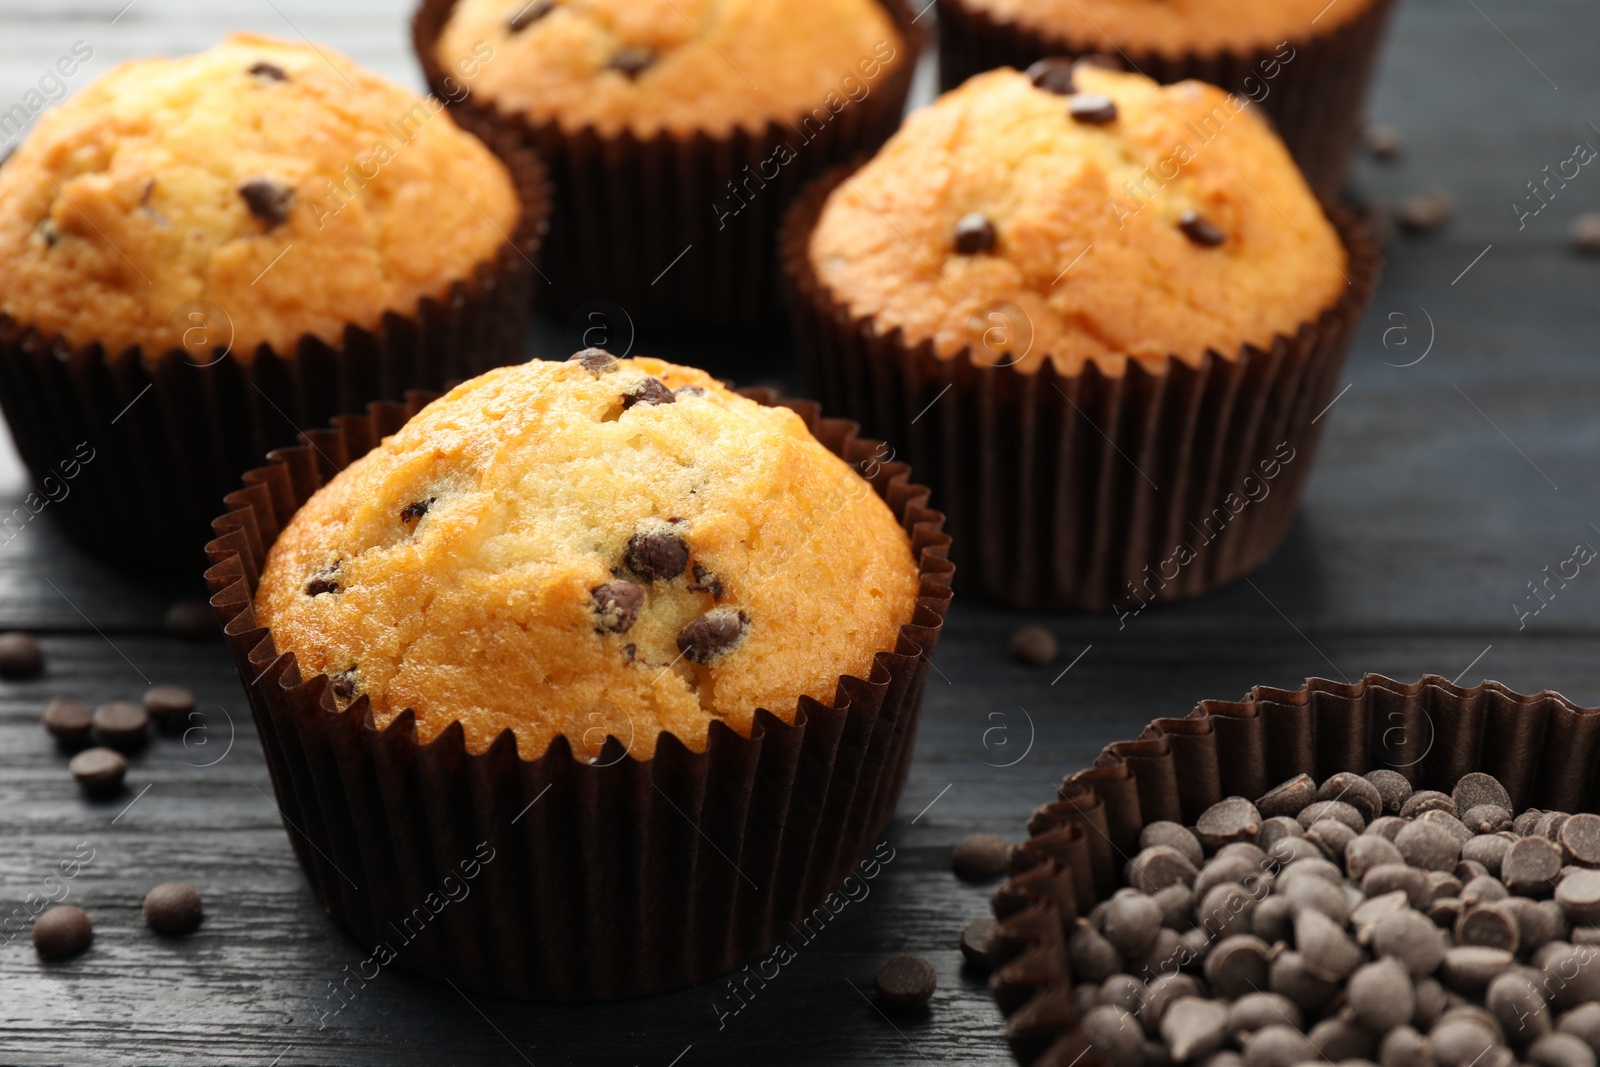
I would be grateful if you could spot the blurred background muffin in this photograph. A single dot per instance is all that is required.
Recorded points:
(1306, 63)
(1085, 306)
(261, 235)
(677, 131)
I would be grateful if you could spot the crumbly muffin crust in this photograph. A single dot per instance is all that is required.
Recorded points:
(1175, 27)
(673, 65)
(1122, 220)
(275, 181)
(589, 548)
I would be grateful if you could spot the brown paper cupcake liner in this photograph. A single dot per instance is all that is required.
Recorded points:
(654, 224)
(1315, 100)
(603, 880)
(1089, 491)
(1543, 748)
(161, 463)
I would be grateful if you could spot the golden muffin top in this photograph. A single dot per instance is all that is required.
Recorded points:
(276, 182)
(1093, 216)
(1175, 27)
(673, 65)
(587, 548)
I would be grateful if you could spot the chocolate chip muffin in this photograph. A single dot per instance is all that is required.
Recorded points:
(232, 245)
(1088, 308)
(678, 130)
(591, 548)
(1306, 63)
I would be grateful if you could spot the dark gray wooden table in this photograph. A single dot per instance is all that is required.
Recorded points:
(1443, 489)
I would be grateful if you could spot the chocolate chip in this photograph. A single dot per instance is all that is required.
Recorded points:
(1114, 1035)
(1580, 839)
(99, 770)
(1173, 835)
(656, 555)
(1159, 866)
(705, 582)
(172, 908)
(1560, 1050)
(596, 360)
(323, 581)
(1329, 953)
(67, 721)
(1233, 819)
(632, 61)
(1053, 75)
(1034, 645)
(530, 14)
(1523, 824)
(1092, 109)
(650, 391)
(413, 512)
(1425, 800)
(343, 683)
(1486, 819)
(1429, 846)
(168, 704)
(1290, 798)
(1193, 1027)
(1578, 895)
(905, 982)
(1426, 211)
(191, 619)
(1279, 1046)
(268, 71)
(1516, 1003)
(63, 930)
(978, 942)
(121, 724)
(616, 606)
(1092, 957)
(1530, 866)
(712, 634)
(975, 234)
(20, 656)
(1331, 836)
(1318, 810)
(1355, 791)
(1584, 232)
(1477, 788)
(1410, 937)
(980, 857)
(1380, 996)
(1468, 969)
(268, 200)
(1237, 966)
(1550, 824)
(1131, 922)
(1392, 786)
(1200, 230)
(1383, 141)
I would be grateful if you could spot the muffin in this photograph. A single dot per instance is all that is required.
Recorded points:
(591, 616)
(1099, 315)
(1306, 63)
(1541, 748)
(677, 131)
(260, 236)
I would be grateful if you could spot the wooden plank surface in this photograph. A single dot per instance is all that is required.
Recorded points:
(1442, 489)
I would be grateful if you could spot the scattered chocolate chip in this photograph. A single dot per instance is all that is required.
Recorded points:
(980, 857)
(1585, 232)
(656, 555)
(632, 61)
(20, 656)
(978, 942)
(1053, 75)
(530, 14)
(268, 200)
(975, 234)
(650, 391)
(1034, 646)
(172, 908)
(906, 982)
(323, 581)
(168, 704)
(413, 512)
(616, 606)
(99, 770)
(1383, 141)
(1426, 211)
(191, 619)
(67, 721)
(1200, 230)
(63, 930)
(268, 71)
(121, 724)
(596, 360)
(1092, 109)
(712, 634)
(705, 582)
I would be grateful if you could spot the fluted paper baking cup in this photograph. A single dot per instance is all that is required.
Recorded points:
(159, 465)
(590, 880)
(677, 230)
(1312, 86)
(1544, 749)
(1088, 491)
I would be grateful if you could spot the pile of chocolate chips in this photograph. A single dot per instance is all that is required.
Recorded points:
(1355, 922)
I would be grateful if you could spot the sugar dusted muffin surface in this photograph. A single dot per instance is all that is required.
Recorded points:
(275, 181)
(589, 548)
(674, 65)
(1122, 219)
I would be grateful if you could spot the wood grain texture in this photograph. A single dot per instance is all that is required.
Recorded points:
(1441, 490)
